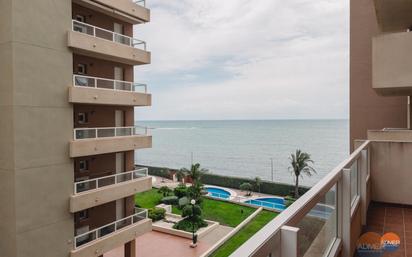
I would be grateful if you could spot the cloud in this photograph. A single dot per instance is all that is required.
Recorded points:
(238, 59)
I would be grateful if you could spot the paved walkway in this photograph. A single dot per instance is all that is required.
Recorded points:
(157, 244)
(217, 234)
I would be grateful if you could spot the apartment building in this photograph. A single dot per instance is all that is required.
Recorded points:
(370, 190)
(67, 133)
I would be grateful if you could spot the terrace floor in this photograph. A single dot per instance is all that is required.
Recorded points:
(383, 218)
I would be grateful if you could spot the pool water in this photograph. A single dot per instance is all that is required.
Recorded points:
(276, 203)
(218, 192)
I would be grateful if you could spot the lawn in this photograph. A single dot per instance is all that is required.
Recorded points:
(225, 213)
(244, 234)
(148, 199)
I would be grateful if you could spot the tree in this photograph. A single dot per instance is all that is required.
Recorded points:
(195, 191)
(180, 174)
(246, 187)
(257, 181)
(164, 190)
(300, 163)
(195, 172)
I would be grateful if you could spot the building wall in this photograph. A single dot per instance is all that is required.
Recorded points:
(367, 109)
(391, 172)
(36, 126)
(102, 116)
(101, 68)
(99, 20)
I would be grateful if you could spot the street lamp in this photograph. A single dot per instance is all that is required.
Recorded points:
(194, 237)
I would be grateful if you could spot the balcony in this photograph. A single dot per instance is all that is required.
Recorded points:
(130, 11)
(393, 15)
(94, 192)
(92, 141)
(394, 135)
(101, 240)
(391, 62)
(92, 90)
(329, 219)
(92, 41)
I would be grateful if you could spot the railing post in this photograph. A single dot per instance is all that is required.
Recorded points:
(95, 134)
(115, 132)
(344, 216)
(363, 184)
(115, 179)
(289, 241)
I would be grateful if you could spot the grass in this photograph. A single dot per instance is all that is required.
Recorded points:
(228, 214)
(244, 234)
(148, 199)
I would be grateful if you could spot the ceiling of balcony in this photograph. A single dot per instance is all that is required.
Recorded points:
(394, 15)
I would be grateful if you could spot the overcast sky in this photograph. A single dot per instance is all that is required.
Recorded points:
(243, 59)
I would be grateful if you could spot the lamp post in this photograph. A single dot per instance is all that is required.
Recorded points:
(194, 237)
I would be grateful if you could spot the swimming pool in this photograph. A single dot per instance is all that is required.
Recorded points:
(218, 192)
(276, 203)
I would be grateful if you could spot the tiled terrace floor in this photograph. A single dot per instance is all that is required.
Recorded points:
(384, 218)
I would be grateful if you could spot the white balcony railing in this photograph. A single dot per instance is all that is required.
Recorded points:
(89, 133)
(140, 2)
(318, 223)
(109, 84)
(96, 234)
(108, 35)
(92, 184)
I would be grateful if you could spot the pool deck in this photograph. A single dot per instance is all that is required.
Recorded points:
(159, 182)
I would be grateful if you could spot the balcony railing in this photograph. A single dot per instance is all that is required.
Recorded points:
(318, 223)
(109, 84)
(108, 35)
(89, 133)
(140, 2)
(96, 234)
(92, 184)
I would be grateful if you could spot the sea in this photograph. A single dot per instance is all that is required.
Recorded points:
(247, 148)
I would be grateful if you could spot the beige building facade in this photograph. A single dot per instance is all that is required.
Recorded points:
(67, 133)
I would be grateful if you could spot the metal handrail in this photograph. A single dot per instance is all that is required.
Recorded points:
(114, 176)
(95, 132)
(99, 232)
(132, 86)
(79, 26)
(140, 2)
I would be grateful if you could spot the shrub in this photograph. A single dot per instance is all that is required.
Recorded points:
(157, 213)
(246, 187)
(173, 200)
(187, 225)
(183, 202)
(165, 191)
(289, 200)
(180, 191)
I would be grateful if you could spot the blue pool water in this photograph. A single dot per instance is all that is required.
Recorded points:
(218, 192)
(276, 203)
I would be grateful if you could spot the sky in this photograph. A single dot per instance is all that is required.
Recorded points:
(237, 59)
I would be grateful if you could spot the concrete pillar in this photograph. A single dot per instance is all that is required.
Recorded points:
(289, 241)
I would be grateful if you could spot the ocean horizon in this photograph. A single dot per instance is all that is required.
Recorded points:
(245, 148)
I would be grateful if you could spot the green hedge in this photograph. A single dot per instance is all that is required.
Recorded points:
(266, 187)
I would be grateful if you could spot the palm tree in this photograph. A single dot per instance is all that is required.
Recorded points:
(300, 164)
(257, 181)
(195, 172)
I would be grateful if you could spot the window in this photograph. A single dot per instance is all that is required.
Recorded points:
(83, 165)
(80, 18)
(81, 69)
(83, 214)
(82, 118)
